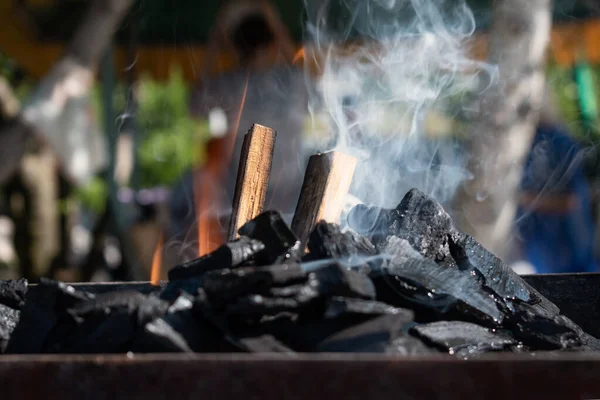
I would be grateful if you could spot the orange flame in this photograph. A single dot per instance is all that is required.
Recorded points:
(157, 261)
(219, 155)
(298, 56)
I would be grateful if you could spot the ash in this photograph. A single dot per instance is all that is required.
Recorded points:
(401, 281)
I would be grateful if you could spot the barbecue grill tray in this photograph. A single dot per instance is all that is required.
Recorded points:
(564, 375)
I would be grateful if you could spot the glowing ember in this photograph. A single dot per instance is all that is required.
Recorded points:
(298, 56)
(157, 261)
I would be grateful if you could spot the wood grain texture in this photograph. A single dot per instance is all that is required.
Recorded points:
(326, 183)
(253, 176)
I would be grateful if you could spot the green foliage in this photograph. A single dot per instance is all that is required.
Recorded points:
(93, 195)
(172, 139)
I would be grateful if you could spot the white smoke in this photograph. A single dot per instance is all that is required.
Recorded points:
(382, 97)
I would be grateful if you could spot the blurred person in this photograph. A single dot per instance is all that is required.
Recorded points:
(554, 218)
(264, 88)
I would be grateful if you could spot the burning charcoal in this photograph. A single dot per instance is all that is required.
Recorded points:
(8, 321)
(264, 344)
(342, 306)
(540, 332)
(12, 293)
(434, 291)
(225, 285)
(44, 306)
(327, 241)
(462, 339)
(281, 245)
(373, 336)
(498, 276)
(423, 222)
(335, 280)
(229, 255)
(181, 329)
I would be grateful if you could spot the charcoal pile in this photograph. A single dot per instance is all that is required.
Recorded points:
(400, 281)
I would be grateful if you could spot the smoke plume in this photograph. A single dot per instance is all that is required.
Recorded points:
(390, 73)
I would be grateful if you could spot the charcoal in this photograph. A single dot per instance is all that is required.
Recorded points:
(173, 288)
(104, 303)
(328, 241)
(264, 344)
(12, 293)
(44, 306)
(423, 222)
(373, 336)
(229, 255)
(463, 339)
(436, 292)
(181, 329)
(541, 332)
(343, 306)
(225, 285)
(336, 280)
(8, 321)
(281, 245)
(498, 276)
(408, 346)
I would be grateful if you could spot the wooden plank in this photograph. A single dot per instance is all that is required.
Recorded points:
(253, 176)
(326, 183)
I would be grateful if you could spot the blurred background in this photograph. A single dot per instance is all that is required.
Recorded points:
(121, 120)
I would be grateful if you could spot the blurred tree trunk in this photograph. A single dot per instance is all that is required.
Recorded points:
(72, 76)
(485, 206)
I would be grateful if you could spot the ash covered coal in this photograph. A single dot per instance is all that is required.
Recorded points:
(402, 281)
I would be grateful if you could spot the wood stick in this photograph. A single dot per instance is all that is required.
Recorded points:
(253, 176)
(326, 183)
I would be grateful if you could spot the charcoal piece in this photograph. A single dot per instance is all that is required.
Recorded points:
(541, 332)
(328, 241)
(399, 250)
(373, 336)
(372, 222)
(174, 288)
(229, 255)
(12, 293)
(281, 245)
(45, 305)
(255, 307)
(336, 280)
(423, 222)
(344, 306)
(8, 321)
(498, 276)
(225, 285)
(264, 344)
(103, 303)
(463, 339)
(435, 292)
(181, 329)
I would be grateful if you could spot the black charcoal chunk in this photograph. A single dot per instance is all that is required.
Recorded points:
(8, 321)
(181, 329)
(255, 307)
(263, 344)
(328, 241)
(225, 285)
(229, 255)
(423, 222)
(463, 339)
(344, 306)
(336, 280)
(498, 276)
(12, 293)
(376, 335)
(281, 245)
(104, 303)
(174, 288)
(542, 332)
(44, 306)
(443, 292)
